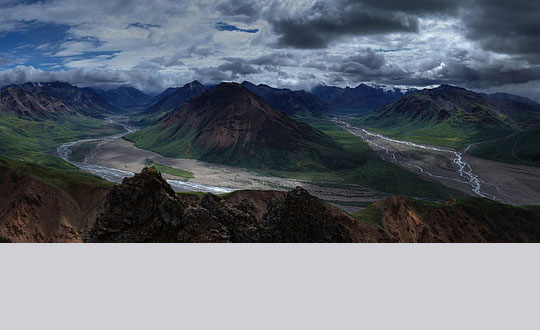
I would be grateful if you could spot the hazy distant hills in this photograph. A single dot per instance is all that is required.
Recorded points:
(361, 98)
(125, 97)
(323, 100)
(292, 103)
(454, 115)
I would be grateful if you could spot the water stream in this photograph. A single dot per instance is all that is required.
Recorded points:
(464, 169)
(115, 175)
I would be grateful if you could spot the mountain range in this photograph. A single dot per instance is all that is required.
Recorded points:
(237, 124)
(453, 116)
(321, 101)
(291, 103)
(52, 100)
(125, 97)
(359, 99)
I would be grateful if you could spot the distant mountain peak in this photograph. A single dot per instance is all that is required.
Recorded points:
(172, 98)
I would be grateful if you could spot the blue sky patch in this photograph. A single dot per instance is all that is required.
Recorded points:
(222, 26)
(36, 44)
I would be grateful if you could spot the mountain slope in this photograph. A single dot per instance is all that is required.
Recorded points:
(520, 148)
(360, 99)
(172, 98)
(45, 205)
(84, 100)
(467, 220)
(292, 103)
(24, 104)
(228, 124)
(450, 116)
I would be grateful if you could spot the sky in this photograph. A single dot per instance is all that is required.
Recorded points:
(484, 45)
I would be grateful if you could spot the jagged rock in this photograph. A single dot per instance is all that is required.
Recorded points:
(144, 208)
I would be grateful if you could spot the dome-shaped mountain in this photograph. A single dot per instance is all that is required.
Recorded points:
(229, 124)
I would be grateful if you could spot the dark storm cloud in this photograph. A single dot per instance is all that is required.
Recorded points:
(238, 67)
(275, 59)
(211, 75)
(367, 58)
(243, 9)
(413, 6)
(327, 21)
(365, 65)
(492, 75)
(510, 27)
(324, 23)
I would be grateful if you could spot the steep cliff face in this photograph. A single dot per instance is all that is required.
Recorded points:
(466, 220)
(33, 211)
(145, 209)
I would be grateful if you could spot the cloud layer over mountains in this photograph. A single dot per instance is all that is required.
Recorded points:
(480, 44)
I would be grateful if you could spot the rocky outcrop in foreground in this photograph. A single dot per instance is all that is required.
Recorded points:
(144, 208)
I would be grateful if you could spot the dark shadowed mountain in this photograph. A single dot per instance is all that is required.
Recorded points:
(362, 98)
(125, 97)
(521, 109)
(456, 106)
(292, 103)
(172, 98)
(229, 124)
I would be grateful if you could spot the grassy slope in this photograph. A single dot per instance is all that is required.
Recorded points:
(364, 167)
(170, 170)
(65, 179)
(28, 146)
(522, 148)
(455, 136)
(35, 141)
